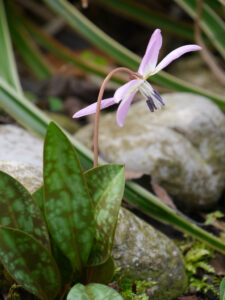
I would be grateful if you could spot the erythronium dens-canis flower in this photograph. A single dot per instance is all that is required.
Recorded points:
(148, 67)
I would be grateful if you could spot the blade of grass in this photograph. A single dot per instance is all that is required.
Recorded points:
(122, 55)
(36, 62)
(146, 16)
(64, 53)
(32, 118)
(52, 45)
(210, 23)
(7, 61)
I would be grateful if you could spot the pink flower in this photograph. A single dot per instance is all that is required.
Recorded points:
(148, 67)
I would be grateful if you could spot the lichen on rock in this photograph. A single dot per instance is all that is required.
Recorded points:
(143, 253)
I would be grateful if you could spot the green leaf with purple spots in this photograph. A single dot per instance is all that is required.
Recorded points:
(19, 210)
(106, 186)
(38, 197)
(93, 291)
(29, 263)
(62, 261)
(68, 206)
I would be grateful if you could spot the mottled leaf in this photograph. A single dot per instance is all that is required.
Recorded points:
(93, 291)
(222, 289)
(29, 263)
(62, 261)
(106, 186)
(68, 206)
(102, 273)
(38, 197)
(19, 210)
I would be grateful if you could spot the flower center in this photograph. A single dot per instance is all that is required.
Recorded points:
(153, 98)
(146, 89)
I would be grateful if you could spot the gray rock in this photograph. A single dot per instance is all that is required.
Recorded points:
(29, 175)
(142, 252)
(197, 72)
(18, 144)
(182, 146)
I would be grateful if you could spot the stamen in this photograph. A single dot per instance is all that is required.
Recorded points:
(157, 95)
(151, 104)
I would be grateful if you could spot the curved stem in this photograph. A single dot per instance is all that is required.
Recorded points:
(96, 127)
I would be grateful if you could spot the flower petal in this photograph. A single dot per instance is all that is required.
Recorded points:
(150, 58)
(174, 55)
(123, 109)
(91, 109)
(127, 88)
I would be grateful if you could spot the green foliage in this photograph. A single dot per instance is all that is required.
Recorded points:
(210, 23)
(96, 36)
(93, 291)
(222, 289)
(29, 263)
(81, 211)
(35, 120)
(132, 289)
(7, 62)
(212, 217)
(55, 104)
(25, 45)
(68, 206)
(105, 184)
(101, 273)
(196, 258)
(18, 210)
(90, 56)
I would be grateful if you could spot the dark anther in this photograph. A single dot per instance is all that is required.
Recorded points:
(151, 104)
(157, 95)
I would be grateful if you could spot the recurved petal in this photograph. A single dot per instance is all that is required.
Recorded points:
(123, 109)
(150, 58)
(126, 89)
(174, 55)
(91, 109)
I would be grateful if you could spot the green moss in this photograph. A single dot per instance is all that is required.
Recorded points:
(132, 289)
(201, 275)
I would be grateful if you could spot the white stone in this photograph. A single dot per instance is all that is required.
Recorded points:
(181, 146)
(30, 176)
(17, 144)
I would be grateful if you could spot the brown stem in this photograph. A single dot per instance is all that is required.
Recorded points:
(84, 3)
(96, 127)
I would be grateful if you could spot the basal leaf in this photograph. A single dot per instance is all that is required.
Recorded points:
(101, 273)
(222, 289)
(29, 263)
(38, 197)
(68, 206)
(93, 291)
(19, 210)
(106, 186)
(62, 261)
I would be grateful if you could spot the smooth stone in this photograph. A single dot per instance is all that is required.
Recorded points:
(19, 144)
(182, 146)
(30, 176)
(198, 73)
(142, 252)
